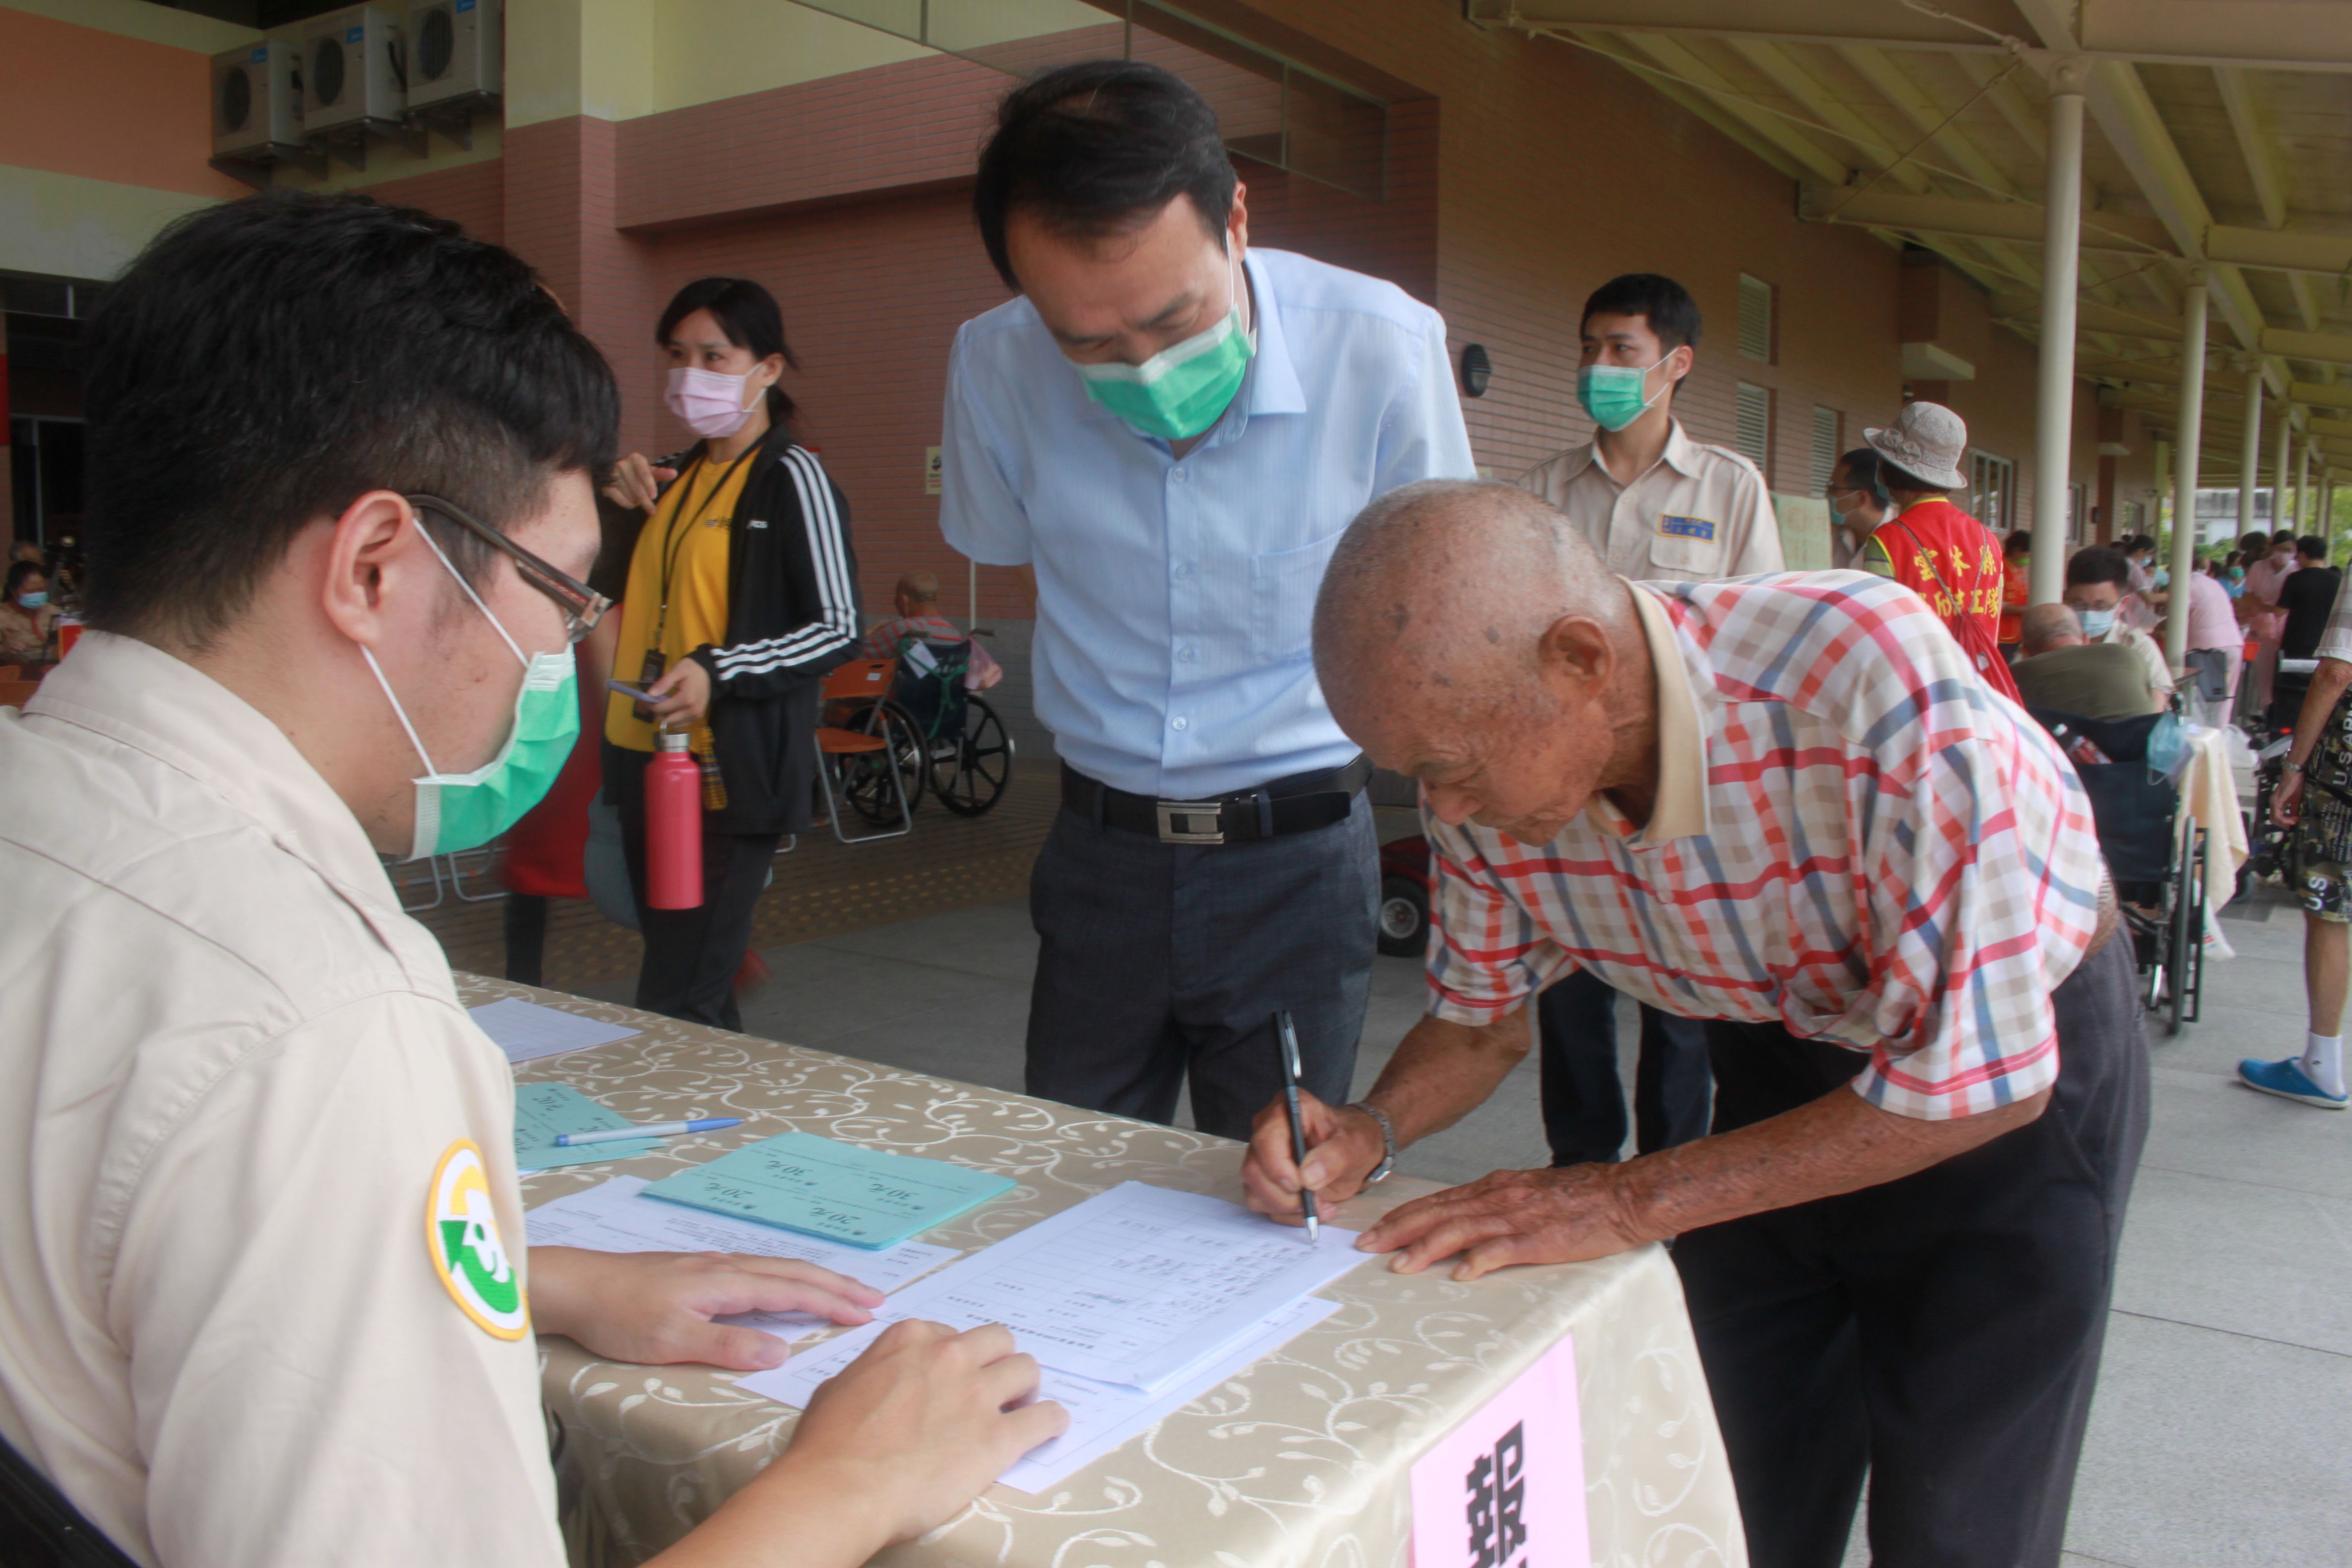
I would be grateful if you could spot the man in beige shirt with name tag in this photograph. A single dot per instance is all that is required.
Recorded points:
(265, 1297)
(1659, 507)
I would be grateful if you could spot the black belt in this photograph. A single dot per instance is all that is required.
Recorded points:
(1300, 804)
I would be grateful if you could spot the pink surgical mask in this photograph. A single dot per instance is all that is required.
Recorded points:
(709, 403)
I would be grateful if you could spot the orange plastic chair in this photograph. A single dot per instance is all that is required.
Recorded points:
(866, 681)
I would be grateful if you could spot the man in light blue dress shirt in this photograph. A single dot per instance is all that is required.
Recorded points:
(1173, 431)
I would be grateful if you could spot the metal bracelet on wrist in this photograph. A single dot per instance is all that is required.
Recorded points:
(2294, 767)
(1388, 1141)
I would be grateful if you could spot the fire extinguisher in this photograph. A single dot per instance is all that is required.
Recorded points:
(673, 825)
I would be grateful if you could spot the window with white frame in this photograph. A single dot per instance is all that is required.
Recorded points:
(1753, 440)
(1992, 483)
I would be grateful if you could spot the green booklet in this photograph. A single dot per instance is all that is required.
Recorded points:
(836, 1191)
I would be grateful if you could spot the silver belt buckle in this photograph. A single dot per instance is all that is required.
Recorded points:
(1177, 819)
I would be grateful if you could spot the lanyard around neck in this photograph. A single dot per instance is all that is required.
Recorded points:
(681, 525)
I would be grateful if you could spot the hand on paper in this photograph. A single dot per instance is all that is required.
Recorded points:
(683, 693)
(924, 1420)
(1511, 1217)
(1343, 1147)
(636, 482)
(654, 1307)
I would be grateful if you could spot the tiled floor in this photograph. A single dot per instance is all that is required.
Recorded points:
(2223, 1427)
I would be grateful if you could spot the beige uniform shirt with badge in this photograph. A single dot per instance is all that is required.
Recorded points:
(1699, 515)
(257, 1171)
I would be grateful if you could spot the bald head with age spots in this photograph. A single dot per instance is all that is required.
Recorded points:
(1467, 636)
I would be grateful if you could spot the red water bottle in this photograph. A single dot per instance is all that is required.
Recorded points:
(673, 826)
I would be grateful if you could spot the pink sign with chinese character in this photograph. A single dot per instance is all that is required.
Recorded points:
(1506, 1488)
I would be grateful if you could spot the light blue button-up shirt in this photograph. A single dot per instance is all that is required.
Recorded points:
(1175, 595)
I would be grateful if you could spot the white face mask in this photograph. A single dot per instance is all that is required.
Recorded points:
(710, 402)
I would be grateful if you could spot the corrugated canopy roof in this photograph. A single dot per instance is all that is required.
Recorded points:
(2219, 135)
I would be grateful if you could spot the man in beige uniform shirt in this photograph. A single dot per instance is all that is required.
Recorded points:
(1659, 507)
(262, 1275)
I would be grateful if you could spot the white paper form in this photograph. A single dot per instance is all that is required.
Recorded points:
(1103, 1415)
(1133, 1286)
(614, 1217)
(527, 1031)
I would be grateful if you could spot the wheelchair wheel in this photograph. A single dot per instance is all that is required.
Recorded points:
(970, 776)
(865, 778)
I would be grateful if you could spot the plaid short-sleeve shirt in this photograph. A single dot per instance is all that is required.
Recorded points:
(1854, 837)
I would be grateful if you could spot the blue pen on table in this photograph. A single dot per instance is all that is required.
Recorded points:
(1287, 1033)
(658, 1129)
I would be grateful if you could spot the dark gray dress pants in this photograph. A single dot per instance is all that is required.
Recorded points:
(1941, 1331)
(1156, 960)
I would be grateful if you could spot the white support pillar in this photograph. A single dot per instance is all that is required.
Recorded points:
(2302, 485)
(2184, 471)
(2281, 457)
(2061, 249)
(2250, 449)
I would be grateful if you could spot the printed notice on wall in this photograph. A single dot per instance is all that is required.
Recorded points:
(1805, 531)
(930, 470)
(1506, 1488)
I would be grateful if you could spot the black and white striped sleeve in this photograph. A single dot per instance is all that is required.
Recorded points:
(813, 623)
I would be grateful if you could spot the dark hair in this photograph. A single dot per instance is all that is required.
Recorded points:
(1863, 464)
(747, 313)
(2312, 544)
(2019, 543)
(2254, 543)
(2098, 564)
(1673, 314)
(1099, 148)
(2283, 536)
(265, 361)
(20, 570)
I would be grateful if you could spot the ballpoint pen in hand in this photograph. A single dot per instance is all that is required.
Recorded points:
(1288, 1033)
(655, 1130)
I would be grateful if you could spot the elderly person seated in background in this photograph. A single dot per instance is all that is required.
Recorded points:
(917, 602)
(2065, 672)
(2097, 581)
(27, 616)
(1658, 782)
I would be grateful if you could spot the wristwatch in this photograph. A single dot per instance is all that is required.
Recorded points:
(1388, 1141)
(2292, 766)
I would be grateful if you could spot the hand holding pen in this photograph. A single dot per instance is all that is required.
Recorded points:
(1288, 1033)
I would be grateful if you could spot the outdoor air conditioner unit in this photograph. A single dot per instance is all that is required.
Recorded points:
(454, 51)
(353, 73)
(257, 100)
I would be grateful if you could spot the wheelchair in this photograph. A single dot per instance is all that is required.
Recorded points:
(2156, 855)
(2273, 736)
(961, 742)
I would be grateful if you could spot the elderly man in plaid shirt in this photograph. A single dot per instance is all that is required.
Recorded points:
(1789, 805)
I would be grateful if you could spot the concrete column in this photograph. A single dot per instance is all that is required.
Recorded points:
(2250, 449)
(2184, 473)
(2278, 465)
(2302, 485)
(2061, 237)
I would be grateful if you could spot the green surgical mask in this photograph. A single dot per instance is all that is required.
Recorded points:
(1612, 394)
(465, 811)
(1183, 390)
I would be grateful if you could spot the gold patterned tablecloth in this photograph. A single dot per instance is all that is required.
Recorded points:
(1300, 1462)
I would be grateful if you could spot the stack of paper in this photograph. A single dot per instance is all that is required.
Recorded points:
(834, 1191)
(618, 1217)
(1136, 1302)
(526, 1031)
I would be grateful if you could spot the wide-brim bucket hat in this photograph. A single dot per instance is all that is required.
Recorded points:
(1929, 440)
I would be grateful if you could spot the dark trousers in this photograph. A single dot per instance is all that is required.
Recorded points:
(691, 955)
(526, 934)
(1942, 1330)
(1583, 1098)
(1156, 960)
